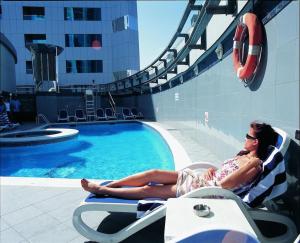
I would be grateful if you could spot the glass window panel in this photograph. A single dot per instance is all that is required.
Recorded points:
(97, 14)
(100, 66)
(83, 40)
(29, 67)
(82, 13)
(79, 66)
(68, 66)
(33, 13)
(78, 40)
(125, 22)
(34, 38)
(69, 15)
(93, 14)
(118, 24)
(78, 13)
(84, 66)
(67, 42)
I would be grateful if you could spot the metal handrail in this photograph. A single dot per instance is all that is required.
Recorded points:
(111, 102)
(162, 65)
(40, 115)
(142, 77)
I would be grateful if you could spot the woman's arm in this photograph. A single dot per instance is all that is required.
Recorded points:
(244, 174)
(209, 174)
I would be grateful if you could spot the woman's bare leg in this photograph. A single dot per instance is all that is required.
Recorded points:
(161, 191)
(158, 176)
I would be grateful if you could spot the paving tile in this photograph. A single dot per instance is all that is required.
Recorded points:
(22, 215)
(11, 205)
(10, 235)
(57, 234)
(3, 224)
(63, 213)
(80, 239)
(92, 219)
(56, 202)
(37, 225)
(40, 193)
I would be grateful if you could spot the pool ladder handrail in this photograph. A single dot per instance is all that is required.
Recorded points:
(111, 102)
(43, 117)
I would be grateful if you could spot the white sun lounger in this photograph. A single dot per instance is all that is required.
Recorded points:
(127, 114)
(79, 115)
(92, 203)
(137, 114)
(100, 114)
(63, 116)
(110, 114)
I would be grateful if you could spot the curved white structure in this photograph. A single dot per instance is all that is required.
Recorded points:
(34, 137)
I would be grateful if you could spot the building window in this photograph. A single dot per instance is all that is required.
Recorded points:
(124, 23)
(84, 66)
(29, 67)
(34, 38)
(90, 14)
(83, 40)
(33, 13)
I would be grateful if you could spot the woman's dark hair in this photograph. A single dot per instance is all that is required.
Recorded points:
(266, 137)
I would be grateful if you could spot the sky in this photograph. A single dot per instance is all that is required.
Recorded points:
(157, 22)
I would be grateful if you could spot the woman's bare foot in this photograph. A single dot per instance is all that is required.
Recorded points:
(91, 187)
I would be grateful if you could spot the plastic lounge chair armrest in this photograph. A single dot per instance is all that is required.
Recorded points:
(264, 215)
(125, 232)
(297, 239)
(200, 165)
(212, 191)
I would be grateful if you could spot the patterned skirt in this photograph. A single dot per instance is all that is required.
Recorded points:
(188, 181)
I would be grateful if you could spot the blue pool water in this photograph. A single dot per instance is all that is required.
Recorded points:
(106, 151)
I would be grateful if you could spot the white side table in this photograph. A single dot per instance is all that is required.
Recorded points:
(225, 214)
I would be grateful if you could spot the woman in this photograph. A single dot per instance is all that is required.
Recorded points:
(234, 173)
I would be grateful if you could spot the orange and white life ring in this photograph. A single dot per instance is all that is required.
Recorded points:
(250, 21)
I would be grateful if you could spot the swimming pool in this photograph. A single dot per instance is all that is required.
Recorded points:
(106, 151)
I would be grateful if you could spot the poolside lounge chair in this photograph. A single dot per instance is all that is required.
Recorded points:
(63, 116)
(3, 127)
(5, 123)
(79, 115)
(127, 114)
(137, 114)
(256, 194)
(100, 114)
(110, 114)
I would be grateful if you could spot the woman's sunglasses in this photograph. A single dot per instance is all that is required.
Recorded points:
(250, 137)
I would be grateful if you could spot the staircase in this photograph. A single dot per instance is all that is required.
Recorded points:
(111, 102)
(90, 104)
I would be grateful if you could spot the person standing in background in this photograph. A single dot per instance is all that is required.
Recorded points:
(15, 105)
(7, 106)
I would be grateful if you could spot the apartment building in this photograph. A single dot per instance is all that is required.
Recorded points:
(100, 38)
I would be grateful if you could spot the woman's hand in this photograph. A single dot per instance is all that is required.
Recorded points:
(209, 174)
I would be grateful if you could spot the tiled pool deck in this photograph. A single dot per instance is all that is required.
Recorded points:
(40, 210)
